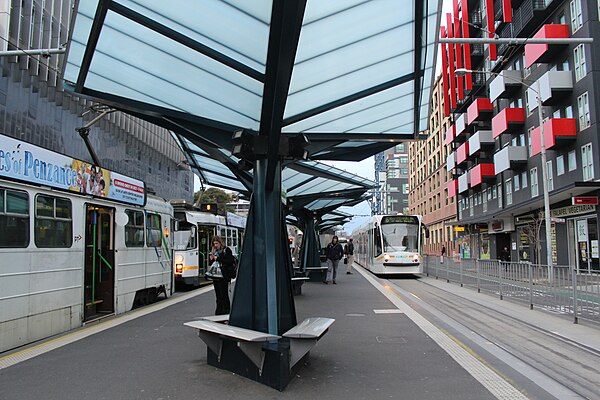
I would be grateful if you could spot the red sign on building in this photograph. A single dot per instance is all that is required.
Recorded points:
(590, 200)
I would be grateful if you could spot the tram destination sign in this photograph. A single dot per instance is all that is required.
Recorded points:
(400, 219)
(25, 162)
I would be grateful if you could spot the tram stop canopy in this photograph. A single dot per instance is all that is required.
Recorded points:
(271, 81)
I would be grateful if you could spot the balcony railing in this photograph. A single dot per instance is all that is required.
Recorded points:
(507, 120)
(451, 161)
(553, 86)
(557, 132)
(480, 109)
(542, 53)
(480, 140)
(480, 173)
(510, 157)
(463, 182)
(505, 84)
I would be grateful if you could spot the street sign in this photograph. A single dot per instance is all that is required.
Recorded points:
(557, 220)
(591, 200)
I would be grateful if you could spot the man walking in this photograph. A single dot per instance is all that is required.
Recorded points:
(349, 252)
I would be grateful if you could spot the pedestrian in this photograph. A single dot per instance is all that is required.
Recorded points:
(349, 252)
(443, 254)
(505, 257)
(334, 253)
(224, 256)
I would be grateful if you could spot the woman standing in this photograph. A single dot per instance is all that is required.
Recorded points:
(335, 252)
(224, 256)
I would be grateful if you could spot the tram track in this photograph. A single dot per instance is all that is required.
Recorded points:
(574, 366)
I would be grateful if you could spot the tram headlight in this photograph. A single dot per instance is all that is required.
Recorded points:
(178, 268)
(386, 258)
(179, 259)
(416, 258)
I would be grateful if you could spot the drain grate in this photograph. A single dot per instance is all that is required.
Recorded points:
(391, 339)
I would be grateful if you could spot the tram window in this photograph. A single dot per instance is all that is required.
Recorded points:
(14, 218)
(229, 238)
(223, 233)
(153, 231)
(53, 222)
(235, 241)
(134, 230)
(377, 241)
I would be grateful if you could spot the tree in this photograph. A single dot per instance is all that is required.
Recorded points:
(214, 195)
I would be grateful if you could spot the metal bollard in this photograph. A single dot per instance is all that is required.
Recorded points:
(477, 266)
(530, 272)
(500, 276)
(574, 282)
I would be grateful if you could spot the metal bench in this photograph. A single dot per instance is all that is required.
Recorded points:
(249, 342)
(305, 336)
(217, 318)
(297, 283)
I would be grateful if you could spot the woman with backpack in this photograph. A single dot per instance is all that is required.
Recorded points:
(224, 256)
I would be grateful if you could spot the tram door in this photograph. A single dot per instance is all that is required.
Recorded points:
(205, 235)
(99, 261)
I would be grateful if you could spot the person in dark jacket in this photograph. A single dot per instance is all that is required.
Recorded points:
(335, 252)
(224, 256)
(349, 252)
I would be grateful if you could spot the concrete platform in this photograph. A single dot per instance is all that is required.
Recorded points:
(378, 348)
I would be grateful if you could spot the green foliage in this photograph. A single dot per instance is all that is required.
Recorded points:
(215, 195)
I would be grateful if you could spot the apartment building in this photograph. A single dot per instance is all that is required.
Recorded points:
(495, 135)
(428, 179)
(391, 174)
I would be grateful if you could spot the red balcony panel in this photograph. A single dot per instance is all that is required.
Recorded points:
(541, 53)
(480, 108)
(461, 153)
(450, 134)
(452, 188)
(506, 120)
(481, 172)
(556, 130)
(559, 129)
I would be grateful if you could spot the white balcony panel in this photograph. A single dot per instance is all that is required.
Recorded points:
(508, 156)
(463, 182)
(500, 84)
(451, 161)
(553, 82)
(480, 139)
(460, 123)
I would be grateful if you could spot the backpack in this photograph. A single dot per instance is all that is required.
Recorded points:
(230, 271)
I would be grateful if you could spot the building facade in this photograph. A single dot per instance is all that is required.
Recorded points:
(34, 107)
(495, 135)
(391, 174)
(428, 195)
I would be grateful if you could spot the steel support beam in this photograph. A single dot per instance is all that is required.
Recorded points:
(517, 41)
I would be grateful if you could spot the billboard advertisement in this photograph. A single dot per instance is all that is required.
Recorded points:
(28, 163)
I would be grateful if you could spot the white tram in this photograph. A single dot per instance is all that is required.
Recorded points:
(391, 244)
(193, 239)
(72, 250)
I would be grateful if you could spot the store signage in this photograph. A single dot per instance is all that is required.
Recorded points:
(577, 200)
(498, 225)
(25, 162)
(459, 229)
(572, 210)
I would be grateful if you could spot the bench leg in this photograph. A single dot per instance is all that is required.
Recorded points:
(254, 352)
(299, 348)
(213, 342)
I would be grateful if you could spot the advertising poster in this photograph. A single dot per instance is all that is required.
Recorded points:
(485, 247)
(25, 162)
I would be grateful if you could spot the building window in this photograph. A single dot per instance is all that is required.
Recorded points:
(529, 148)
(508, 191)
(550, 175)
(587, 162)
(53, 222)
(517, 182)
(560, 165)
(576, 15)
(499, 189)
(584, 111)
(533, 178)
(14, 218)
(579, 59)
(524, 179)
(572, 160)
(134, 230)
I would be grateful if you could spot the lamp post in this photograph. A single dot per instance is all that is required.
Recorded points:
(463, 72)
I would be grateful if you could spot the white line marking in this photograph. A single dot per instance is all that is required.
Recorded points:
(389, 311)
(415, 296)
(493, 382)
(31, 352)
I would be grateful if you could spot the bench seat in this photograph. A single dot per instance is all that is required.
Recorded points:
(304, 336)
(249, 342)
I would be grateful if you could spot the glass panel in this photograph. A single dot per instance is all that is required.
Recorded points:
(1, 201)
(153, 231)
(17, 202)
(247, 22)
(53, 233)
(63, 208)
(44, 206)
(146, 63)
(134, 230)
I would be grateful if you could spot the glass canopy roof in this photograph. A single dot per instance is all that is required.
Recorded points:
(360, 68)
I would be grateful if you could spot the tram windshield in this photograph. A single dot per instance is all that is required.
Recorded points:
(400, 236)
(185, 238)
